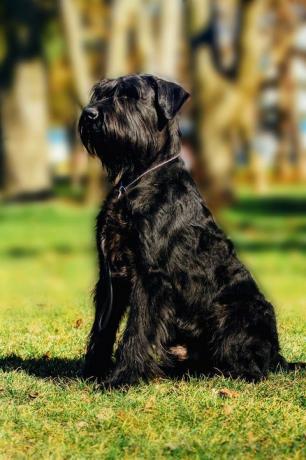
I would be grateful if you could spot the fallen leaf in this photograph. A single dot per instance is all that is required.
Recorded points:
(105, 414)
(228, 410)
(123, 415)
(251, 437)
(171, 446)
(150, 404)
(78, 323)
(226, 393)
(81, 424)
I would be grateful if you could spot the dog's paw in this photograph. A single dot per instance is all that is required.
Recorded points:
(97, 370)
(121, 380)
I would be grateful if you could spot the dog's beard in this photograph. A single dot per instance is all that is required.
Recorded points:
(108, 153)
(123, 142)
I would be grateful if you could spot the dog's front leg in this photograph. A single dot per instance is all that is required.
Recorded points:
(145, 333)
(98, 360)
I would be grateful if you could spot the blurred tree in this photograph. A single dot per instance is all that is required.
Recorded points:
(1, 150)
(211, 91)
(25, 128)
(83, 81)
(131, 42)
(24, 111)
(171, 36)
(75, 43)
(227, 73)
(223, 35)
(295, 16)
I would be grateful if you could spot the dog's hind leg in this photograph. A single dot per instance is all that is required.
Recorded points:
(244, 338)
(241, 356)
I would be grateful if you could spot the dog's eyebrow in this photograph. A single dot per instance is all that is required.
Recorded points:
(118, 97)
(124, 97)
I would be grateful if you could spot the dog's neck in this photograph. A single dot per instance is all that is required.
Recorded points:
(131, 175)
(170, 148)
(125, 187)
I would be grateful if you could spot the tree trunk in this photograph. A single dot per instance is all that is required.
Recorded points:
(170, 38)
(25, 132)
(130, 16)
(2, 151)
(210, 98)
(73, 29)
(83, 82)
(224, 109)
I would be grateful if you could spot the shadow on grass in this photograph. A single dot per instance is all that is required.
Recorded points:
(18, 252)
(248, 245)
(279, 246)
(43, 367)
(272, 206)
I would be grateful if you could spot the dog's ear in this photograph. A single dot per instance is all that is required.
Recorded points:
(169, 96)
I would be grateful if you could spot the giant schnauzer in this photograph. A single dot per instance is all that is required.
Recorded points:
(163, 260)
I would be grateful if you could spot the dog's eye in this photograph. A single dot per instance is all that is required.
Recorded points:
(129, 92)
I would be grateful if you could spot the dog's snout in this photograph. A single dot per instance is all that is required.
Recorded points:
(91, 112)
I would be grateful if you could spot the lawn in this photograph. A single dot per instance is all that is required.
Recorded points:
(47, 411)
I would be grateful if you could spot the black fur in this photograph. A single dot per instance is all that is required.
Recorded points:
(162, 258)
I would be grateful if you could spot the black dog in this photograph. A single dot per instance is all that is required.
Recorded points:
(162, 255)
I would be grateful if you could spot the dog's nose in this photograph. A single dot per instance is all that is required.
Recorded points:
(91, 112)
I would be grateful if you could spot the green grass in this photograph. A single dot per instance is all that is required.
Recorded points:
(46, 411)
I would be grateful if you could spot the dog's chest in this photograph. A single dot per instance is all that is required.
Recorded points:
(115, 234)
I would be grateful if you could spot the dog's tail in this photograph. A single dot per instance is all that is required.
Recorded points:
(282, 365)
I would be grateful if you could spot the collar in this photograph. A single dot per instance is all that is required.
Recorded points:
(123, 189)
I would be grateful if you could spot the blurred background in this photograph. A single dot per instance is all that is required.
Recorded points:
(243, 130)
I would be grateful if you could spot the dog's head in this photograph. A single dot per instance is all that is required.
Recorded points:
(128, 119)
